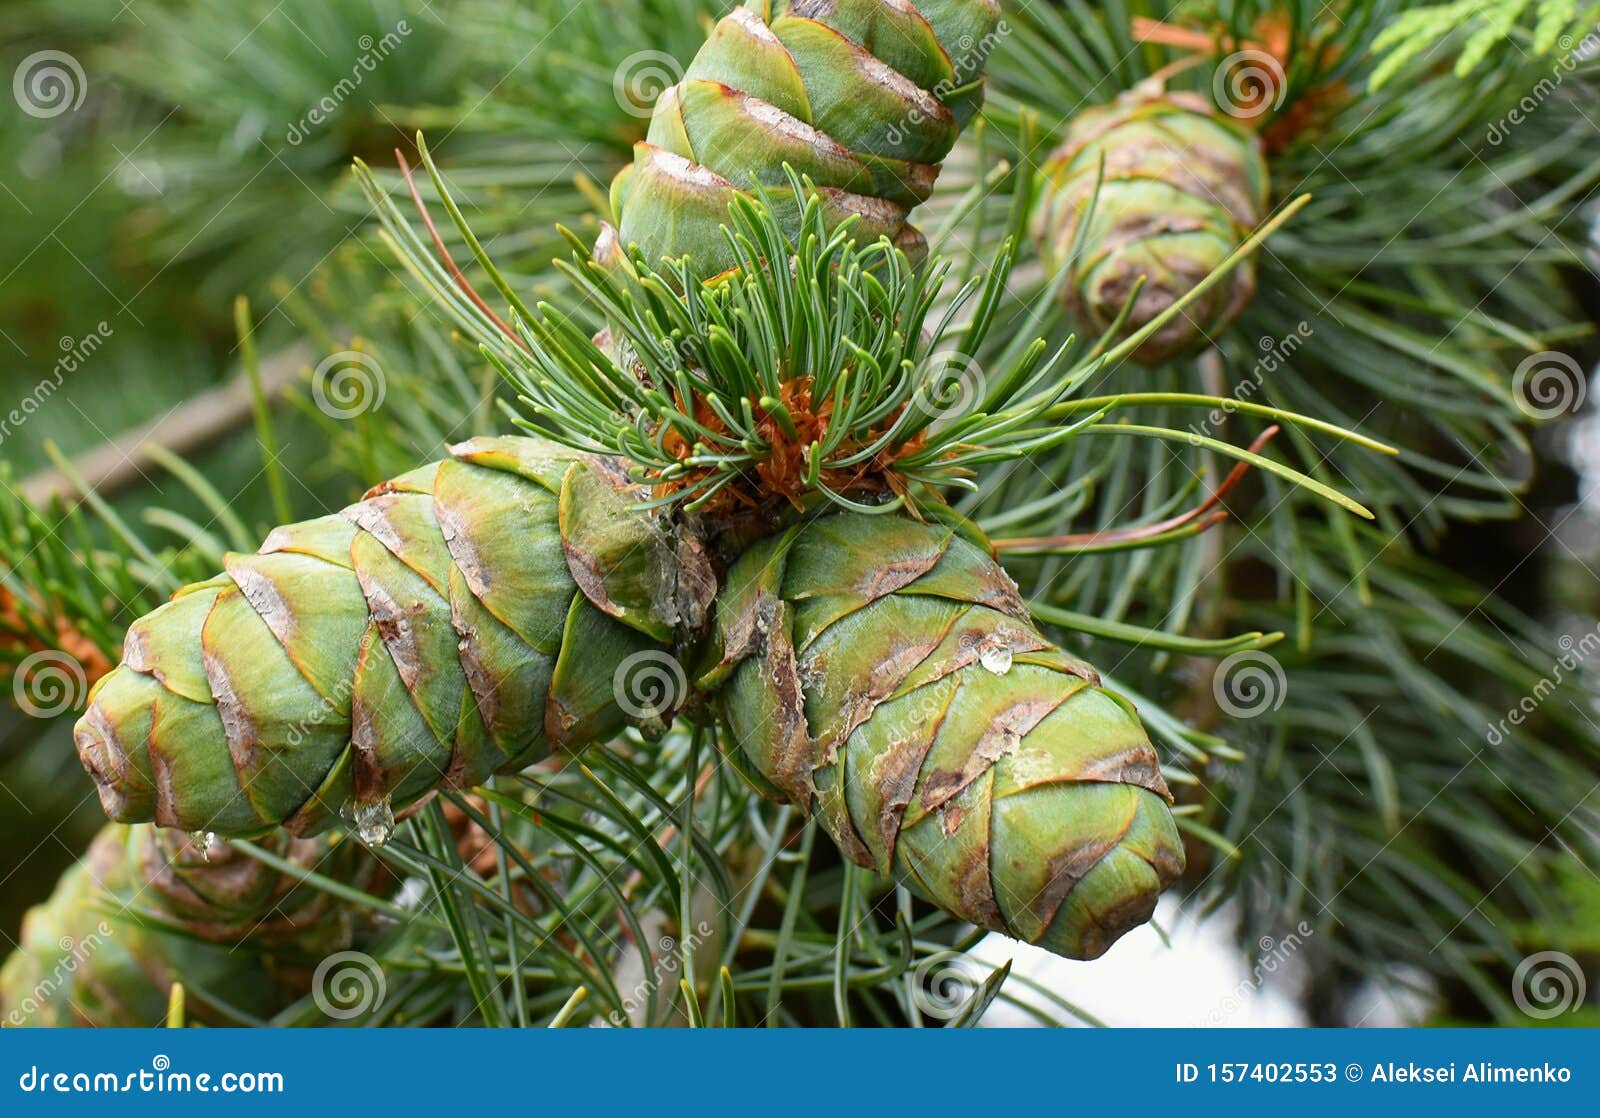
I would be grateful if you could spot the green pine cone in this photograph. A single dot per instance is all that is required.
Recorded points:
(863, 96)
(1183, 187)
(463, 619)
(885, 675)
(83, 961)
(472, 615)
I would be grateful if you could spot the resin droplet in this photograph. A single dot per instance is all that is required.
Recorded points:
(375, 821)
(995, 658)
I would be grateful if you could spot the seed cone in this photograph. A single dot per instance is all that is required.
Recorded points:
(884, 675)
(470, 616)
(863, 96)
(85, 960)
(428, 636)
(1182, 188)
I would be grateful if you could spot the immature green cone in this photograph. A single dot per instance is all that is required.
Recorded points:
(884, 674)
(463, 619)
(1182, 188)
(84, 960)
(865, 97)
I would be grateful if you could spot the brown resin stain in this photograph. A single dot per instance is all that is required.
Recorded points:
(897, 773)
(1003, 734)
(238, 727)
(791, 760)
(481, 682)
(459, 542)
(558, 722)
(1065, 870)
(166, 814)
(103, 757)
(882, 680)
(886, 578)
(590, 576)
(973, 891)
(366, 767)
(262, 594)
(396, 628)
(1138, 766)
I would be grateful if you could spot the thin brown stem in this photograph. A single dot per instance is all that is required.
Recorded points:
(444, 254)
(1146, 531)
